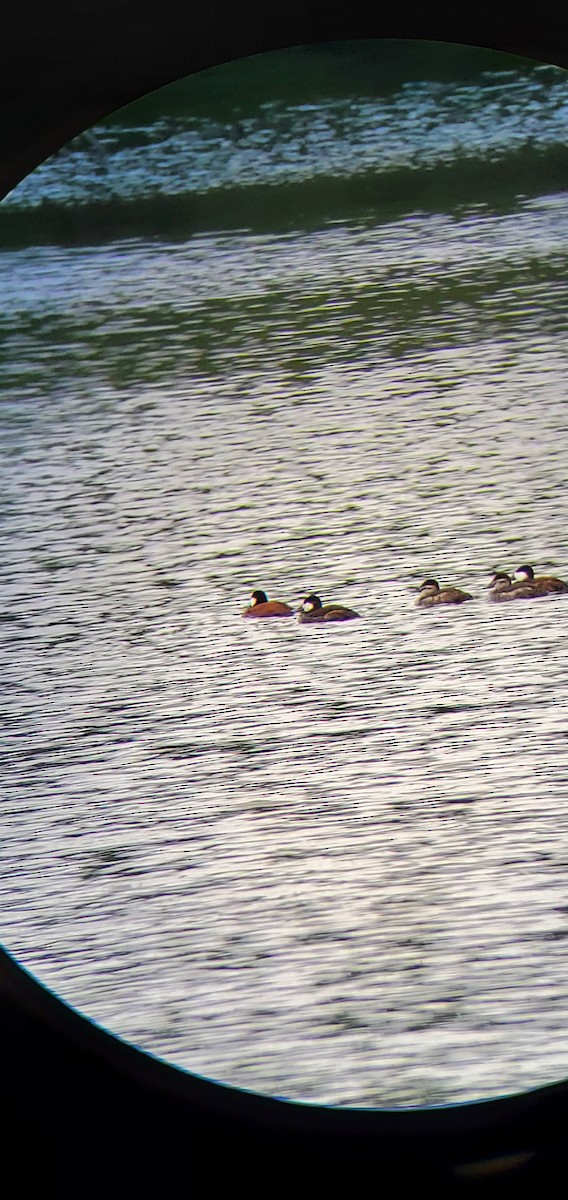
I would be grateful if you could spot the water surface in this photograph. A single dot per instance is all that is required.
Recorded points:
(328, 864)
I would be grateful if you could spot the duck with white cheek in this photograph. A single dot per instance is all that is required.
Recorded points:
(313, 612)
(546, 585)
(261, 606)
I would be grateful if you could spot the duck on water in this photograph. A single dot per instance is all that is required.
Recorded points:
(502, 588)
(545, 585)
(313, 612)
(430, 593)
(261, 606)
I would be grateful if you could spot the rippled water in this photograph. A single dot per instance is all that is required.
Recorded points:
(327, 863)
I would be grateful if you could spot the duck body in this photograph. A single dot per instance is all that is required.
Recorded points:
(261, 606)
(430, 594)
(313, 612)
(546, 585)
(502, 588)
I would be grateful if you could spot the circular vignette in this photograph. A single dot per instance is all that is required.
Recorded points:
(81, 1094)
(61, 74)
(73, 1087)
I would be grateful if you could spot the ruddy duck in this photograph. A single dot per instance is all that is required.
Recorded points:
(546, 585)
(502, 587)
(313, 611)
(430, 593)
(261, 606)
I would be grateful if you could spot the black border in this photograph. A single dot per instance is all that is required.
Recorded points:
(84, 1109)
(92, 1108)
(65, 64)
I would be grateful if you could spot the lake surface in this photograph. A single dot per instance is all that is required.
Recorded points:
(301, 344)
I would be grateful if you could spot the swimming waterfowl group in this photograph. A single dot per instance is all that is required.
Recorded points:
(311, 610)
(524, 586)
